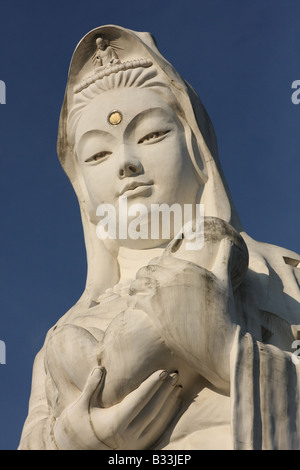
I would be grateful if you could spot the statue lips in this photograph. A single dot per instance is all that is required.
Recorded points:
(135, 188)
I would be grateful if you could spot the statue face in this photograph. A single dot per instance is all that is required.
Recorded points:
(101, 43)
(129, 142)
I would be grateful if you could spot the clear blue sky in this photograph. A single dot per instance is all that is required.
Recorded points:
(240, 56)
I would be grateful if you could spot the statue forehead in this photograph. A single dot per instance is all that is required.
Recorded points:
(117, 108)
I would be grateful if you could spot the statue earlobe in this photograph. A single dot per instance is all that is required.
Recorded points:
(195, 154)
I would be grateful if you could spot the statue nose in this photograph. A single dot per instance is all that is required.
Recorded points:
(128, 170)
(129, 164)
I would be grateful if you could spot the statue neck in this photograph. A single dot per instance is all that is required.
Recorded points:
(130, 260)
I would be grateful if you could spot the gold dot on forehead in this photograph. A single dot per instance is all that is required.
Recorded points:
(115, 117)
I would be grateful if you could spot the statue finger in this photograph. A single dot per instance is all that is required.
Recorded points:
(92, 387)
(157, 418)
(162, 406)
(136, 401)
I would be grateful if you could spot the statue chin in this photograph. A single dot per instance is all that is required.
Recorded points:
(131, 350)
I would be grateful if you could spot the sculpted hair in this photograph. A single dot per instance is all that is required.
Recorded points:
(131, 78)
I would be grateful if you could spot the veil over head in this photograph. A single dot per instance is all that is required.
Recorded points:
(136, 50)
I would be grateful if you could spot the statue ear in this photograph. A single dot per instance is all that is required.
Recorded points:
(214, 195)
(195, 153)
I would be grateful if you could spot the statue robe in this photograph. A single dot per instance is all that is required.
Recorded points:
(265, 381)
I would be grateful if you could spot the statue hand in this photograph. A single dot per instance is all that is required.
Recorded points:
(137, 422)
(193, 310)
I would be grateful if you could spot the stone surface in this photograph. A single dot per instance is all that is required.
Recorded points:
(169, 347)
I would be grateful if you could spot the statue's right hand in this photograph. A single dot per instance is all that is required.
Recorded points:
(136, 423)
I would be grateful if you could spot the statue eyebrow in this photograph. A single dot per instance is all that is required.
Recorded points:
(146, 115)
(91, 133)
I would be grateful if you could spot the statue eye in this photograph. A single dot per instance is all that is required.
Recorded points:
(98, 156)
(153, 137)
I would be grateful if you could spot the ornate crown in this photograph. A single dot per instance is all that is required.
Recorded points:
(107, 61)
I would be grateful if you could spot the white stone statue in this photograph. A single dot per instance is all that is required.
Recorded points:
(168, 347)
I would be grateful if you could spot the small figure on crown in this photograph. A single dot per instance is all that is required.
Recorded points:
(105, 54)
